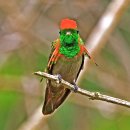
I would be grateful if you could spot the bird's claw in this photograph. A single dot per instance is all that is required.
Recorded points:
(75, 87)
(59, 78)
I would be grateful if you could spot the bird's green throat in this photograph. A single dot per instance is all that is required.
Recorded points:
(69, 42)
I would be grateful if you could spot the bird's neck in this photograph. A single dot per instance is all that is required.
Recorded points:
(69, 52)
(69, 45)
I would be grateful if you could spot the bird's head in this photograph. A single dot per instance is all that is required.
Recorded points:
(69, 38)
(68, 33)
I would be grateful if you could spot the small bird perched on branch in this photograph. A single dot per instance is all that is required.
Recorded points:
(66, 60)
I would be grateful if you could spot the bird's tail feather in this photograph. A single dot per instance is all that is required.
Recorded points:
(54, 97)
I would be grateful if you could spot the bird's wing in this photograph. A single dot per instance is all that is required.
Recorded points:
(54, 55)
(84, 49)
(82, 64)
(81, 67)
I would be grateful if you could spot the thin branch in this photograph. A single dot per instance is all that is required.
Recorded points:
(92, 95)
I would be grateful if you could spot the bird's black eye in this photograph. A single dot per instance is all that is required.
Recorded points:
(59, 32)
(77, 31)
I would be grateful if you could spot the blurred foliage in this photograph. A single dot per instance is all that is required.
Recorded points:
(26, 31)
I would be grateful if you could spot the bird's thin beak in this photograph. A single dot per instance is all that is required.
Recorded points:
(68, 33)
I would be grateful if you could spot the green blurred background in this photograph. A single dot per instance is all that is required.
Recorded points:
(26, 31)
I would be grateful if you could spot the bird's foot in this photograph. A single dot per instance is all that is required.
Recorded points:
(59, 78)
(75, 87)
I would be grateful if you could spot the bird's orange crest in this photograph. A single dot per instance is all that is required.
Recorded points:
(68, 24)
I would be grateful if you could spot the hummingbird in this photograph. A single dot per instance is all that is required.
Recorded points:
(66, 60)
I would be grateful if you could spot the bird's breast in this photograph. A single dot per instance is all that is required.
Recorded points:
(68, 67)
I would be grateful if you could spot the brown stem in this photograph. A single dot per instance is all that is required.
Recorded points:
(92, 95)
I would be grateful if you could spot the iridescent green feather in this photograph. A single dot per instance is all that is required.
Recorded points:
(70, 43)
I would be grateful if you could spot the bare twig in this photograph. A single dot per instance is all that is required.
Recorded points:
(92, 95)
